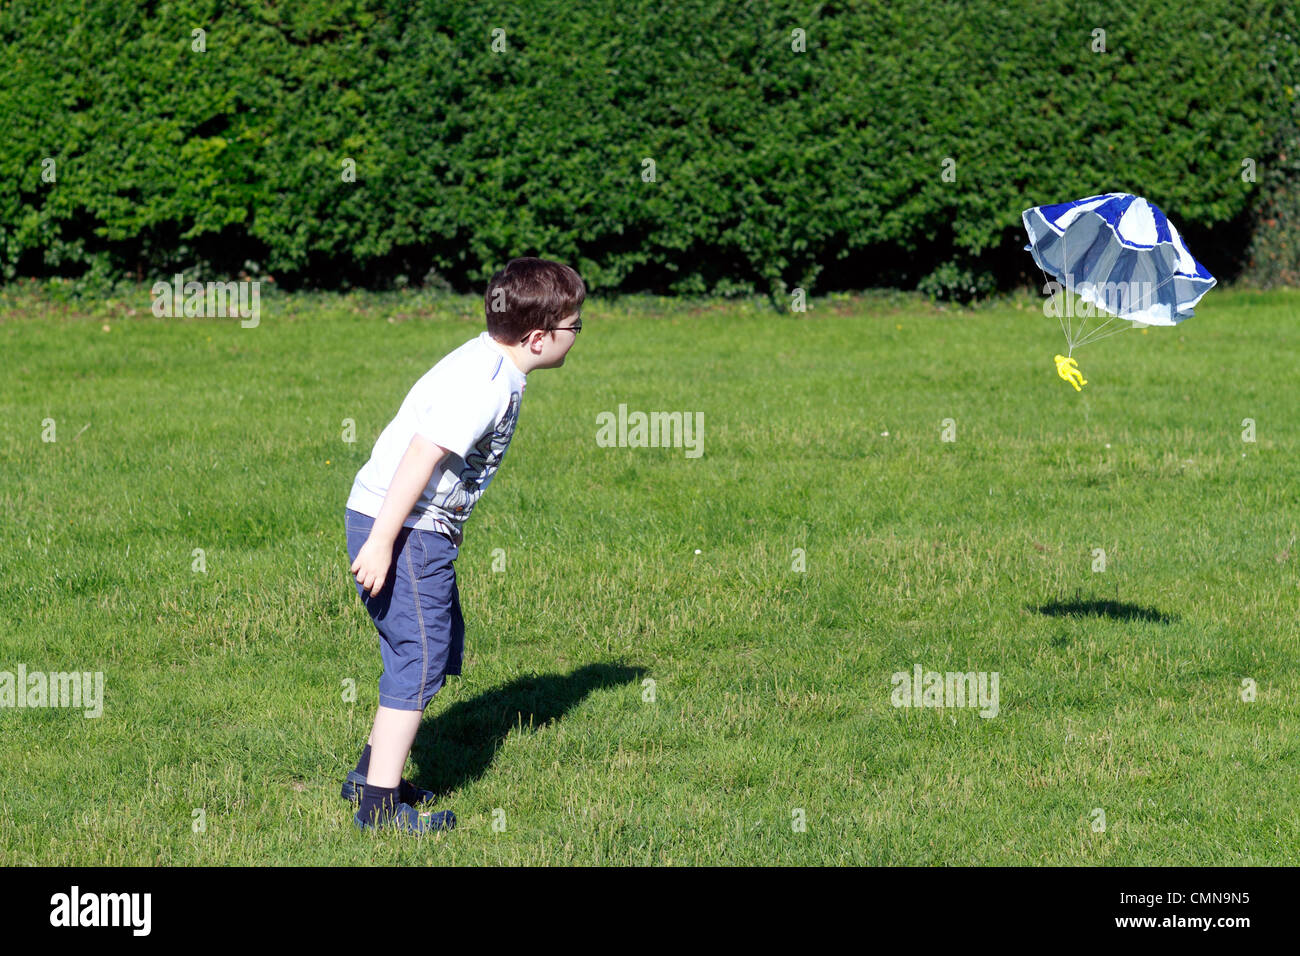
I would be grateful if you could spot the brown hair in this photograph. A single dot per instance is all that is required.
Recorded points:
(531, 294)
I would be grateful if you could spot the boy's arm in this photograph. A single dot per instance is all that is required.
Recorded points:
(410, 480)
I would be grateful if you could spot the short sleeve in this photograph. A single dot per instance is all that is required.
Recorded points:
(452, 417)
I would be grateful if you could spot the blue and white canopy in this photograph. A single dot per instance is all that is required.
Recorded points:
(1119, 253)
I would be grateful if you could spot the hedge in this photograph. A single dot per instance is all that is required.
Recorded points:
(225, 151)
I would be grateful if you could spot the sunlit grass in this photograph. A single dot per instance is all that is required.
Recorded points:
(225, 689)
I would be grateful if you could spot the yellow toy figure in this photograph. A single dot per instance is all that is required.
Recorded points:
(1068, 369)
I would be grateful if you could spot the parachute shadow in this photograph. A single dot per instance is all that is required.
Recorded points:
(1115, 610)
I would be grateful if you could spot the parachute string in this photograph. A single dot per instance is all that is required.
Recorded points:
(1060, 311)
(1060, 314)
(1080, 336)
(1101, 332)
(1067, 291)
(1077, 337)
(1107, 335)
(1097, 330)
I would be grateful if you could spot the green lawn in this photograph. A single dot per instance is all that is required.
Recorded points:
(225, 690)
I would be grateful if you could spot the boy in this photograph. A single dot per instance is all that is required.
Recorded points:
(408, 506)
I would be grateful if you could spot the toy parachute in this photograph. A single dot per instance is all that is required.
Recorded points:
(1121, 255)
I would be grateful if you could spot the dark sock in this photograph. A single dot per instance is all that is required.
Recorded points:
(377, 804)
(363, 765)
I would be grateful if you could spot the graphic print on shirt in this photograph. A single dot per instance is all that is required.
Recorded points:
(482, 462)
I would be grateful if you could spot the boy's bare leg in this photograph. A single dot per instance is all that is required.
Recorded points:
(390, 744)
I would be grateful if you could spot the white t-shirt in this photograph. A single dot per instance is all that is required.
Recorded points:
(468, 403)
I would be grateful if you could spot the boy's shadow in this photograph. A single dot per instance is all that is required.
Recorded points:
(456, 747)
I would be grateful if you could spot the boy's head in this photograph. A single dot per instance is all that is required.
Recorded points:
(530, 305)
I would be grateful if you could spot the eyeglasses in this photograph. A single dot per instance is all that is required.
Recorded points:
(575, 329)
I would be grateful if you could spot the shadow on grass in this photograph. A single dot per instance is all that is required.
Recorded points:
(457, 746)
(1116, 610)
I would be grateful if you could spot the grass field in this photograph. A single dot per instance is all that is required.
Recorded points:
(771, 736)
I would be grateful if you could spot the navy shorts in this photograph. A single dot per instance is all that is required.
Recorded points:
(417, 613)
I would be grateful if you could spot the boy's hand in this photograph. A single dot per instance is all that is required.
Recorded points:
(413, 474)
(371, 565)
